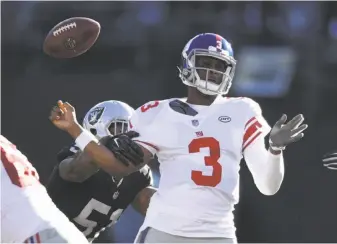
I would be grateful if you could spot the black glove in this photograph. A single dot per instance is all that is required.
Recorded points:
(125, 149)
(283, 134)
(330, 160)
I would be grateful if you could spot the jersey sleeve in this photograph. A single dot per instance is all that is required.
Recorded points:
(15, 166)
(145, 175)
(256, 125)
(141, 121)
(55, 182)
(136, 182)
(67, 152)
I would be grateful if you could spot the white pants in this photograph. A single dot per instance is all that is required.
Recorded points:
(150, 235)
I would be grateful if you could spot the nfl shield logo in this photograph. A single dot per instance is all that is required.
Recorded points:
(195, 122)
(95, 115)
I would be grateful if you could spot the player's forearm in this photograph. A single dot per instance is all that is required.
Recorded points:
(272, 174)
(102, 156)
(142, 200)
(266, 167)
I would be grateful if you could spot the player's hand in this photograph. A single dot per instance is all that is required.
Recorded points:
(330, 160)
(125, 149)
(63, 116)
(282, 134)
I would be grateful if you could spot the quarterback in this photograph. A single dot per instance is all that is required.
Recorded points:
(199, 142)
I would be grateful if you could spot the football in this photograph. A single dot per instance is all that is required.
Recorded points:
(71, 37)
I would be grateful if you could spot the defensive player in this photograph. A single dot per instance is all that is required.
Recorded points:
(330, 160)
(91, 198)
(199, 141)
(27, 212)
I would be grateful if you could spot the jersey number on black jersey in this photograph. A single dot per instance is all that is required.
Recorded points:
(95, 205)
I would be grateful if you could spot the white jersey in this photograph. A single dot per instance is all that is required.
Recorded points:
(26, 208)
(199, 163)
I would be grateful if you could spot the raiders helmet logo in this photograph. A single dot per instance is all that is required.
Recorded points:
(95, 115)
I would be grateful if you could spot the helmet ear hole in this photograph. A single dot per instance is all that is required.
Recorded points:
(93, 131)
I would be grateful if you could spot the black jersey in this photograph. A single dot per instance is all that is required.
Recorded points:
(97, 202)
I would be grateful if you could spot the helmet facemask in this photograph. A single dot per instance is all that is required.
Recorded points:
(117, 126)
(208, 80)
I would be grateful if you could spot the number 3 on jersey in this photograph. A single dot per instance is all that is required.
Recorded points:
(211, 160)
(147, 106)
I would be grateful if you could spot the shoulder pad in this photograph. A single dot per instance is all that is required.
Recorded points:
(141, 178)
(147, 175)
(151, 106)
(252, 105)
(146, 113)
(247, 104)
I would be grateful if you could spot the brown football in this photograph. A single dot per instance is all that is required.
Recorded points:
(71, 37)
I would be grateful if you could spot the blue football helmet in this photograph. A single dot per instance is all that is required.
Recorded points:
(195, 74)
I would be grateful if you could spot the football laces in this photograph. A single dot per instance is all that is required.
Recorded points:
(64, 28)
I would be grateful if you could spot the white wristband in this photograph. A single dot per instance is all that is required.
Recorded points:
(275, 148)
(84, 139)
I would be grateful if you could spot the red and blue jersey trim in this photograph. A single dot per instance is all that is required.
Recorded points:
(33, 239)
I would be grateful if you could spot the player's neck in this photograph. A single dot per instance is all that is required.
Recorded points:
(196, 97)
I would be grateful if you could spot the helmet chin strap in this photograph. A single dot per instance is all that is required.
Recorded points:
(206, 92)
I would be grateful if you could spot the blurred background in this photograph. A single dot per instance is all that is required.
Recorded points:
(287, 61)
